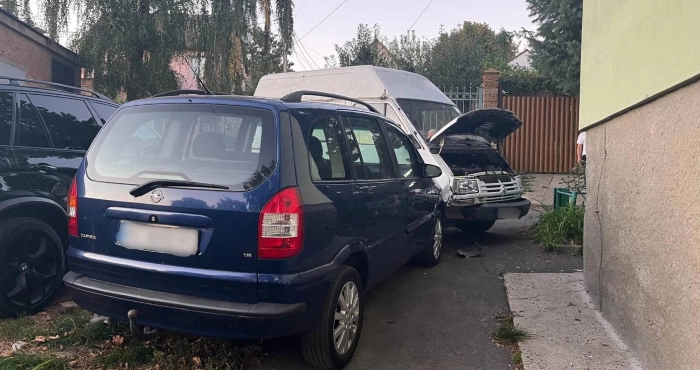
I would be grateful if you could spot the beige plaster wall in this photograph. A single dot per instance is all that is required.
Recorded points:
(643, 218)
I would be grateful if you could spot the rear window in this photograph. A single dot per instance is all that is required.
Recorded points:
(215, 144)
(104, 111)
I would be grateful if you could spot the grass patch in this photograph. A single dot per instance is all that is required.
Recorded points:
(20, 328)
(559, 226)
(176, 352)
(182, 353)
(131, 355)
(517, 358)
(507, 333)
(21, 361)
(528, 182)
(64, 325)
(99, 346)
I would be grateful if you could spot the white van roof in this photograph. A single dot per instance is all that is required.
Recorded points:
(359, 82)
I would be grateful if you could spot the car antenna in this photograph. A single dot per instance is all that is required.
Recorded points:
(199, 80)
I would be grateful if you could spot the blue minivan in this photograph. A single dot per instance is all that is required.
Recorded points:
(247, 218)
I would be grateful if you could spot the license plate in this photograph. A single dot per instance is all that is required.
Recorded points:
(177, 241)
(508, 213)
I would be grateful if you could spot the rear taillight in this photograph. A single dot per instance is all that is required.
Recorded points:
(280, 227)
(73, 209)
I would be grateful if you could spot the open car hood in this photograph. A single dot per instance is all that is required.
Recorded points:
(492, 123)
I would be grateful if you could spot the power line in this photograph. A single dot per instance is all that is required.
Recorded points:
(300, 56)
(421, 14)
(300, 53)
(324, 19)
(301, 7)
(303, 50)
(315, 52)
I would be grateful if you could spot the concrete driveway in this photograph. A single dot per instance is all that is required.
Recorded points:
(441, 318)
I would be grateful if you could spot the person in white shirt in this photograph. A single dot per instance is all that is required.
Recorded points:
(581, 147)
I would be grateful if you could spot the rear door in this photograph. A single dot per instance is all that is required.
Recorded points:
(12, 184)
(217, 229)
(338, 218)
(53, 134)
(381, 195)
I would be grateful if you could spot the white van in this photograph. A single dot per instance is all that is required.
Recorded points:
(478, 186)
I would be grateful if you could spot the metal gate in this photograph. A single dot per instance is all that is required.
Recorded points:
(465, 98)
(546, 143)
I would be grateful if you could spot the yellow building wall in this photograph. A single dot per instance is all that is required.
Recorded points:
(634, 49)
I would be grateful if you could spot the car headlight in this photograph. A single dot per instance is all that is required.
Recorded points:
(462, 186)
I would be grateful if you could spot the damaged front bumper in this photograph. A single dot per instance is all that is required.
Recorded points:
(514, 209)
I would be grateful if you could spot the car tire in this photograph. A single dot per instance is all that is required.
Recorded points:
(431, 254)
(474, 227)
(32, 263)
(319, 345)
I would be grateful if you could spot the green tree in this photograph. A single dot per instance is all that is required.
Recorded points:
(365, 49)
(130, 44)
(523, 81)
(411, 53)
(19, 10)
(556, 45)
(228, 40)
(460, 57)
(265, 57)
(455, 58)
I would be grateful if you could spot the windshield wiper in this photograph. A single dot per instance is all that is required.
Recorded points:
(150, 185)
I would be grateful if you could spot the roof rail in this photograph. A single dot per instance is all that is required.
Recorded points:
(15, 81)
(296, 97)
(183, 92)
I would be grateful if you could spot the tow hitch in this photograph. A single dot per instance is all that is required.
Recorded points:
(141, 334)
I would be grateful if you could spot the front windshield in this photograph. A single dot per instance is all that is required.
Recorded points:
(427, 115)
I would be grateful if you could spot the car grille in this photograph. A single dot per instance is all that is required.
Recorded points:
(493, 192)
(495, 179)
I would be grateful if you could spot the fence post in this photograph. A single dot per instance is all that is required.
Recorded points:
(490, 82)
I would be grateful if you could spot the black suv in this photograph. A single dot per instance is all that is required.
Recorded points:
(45, 129)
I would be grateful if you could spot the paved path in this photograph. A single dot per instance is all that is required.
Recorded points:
(568, 332)
(441, 318)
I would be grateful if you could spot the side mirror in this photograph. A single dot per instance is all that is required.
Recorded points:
(430, 171)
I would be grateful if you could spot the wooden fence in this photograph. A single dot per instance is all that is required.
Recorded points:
(546, 143)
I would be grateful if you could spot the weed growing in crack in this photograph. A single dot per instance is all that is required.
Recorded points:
(507, 333)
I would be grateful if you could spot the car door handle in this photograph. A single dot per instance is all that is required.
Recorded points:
(47, 166)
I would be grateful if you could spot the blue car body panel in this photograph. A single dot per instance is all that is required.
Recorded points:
(225, 290)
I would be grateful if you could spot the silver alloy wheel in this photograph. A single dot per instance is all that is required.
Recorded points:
(437, 239)
(347, 315)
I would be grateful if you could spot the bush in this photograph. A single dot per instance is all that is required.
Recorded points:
(576, 179)
(559, 226)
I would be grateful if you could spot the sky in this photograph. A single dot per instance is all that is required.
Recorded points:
(394, 17)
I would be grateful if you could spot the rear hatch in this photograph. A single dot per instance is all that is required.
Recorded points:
(492, 124)
(172, 198)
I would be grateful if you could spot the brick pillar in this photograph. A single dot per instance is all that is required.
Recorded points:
(491, 88)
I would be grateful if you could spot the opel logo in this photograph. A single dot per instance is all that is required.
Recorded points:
(503, 190)
(156, 196)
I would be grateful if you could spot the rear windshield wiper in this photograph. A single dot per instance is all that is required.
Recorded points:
(150, 185)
